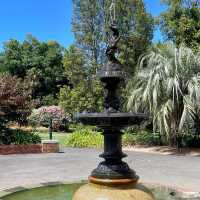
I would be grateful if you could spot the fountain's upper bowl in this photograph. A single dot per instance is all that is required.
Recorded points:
(109, 120)
(112, 70)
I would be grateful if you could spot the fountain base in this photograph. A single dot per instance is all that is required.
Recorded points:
(113, 182)
(123, 191)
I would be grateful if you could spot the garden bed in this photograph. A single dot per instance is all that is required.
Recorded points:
(46, 147)
(164, 150)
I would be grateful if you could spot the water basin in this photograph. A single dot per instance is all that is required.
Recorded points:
(105, 120)
(65, 192)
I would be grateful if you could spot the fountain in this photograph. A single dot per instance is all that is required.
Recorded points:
(112, 179)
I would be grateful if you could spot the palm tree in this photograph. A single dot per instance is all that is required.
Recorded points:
(168, 86)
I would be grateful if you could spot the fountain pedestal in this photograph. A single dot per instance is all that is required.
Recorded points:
(117, 192)
(112, 179)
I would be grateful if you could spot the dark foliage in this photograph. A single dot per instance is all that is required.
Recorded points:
(14, 103)
(19, 137)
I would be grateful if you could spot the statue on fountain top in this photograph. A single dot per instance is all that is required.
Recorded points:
(113, 42)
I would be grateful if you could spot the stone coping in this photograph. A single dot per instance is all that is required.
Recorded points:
(174, 191)
(180, 192)
(47, 146)
(50, 142)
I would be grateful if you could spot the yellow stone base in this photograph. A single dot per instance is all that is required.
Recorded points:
(93, 191)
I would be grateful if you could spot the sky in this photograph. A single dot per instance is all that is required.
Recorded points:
(47, 20)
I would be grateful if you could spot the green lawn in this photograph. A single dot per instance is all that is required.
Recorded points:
(61, 137)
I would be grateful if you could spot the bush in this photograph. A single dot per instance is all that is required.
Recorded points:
(5, 135)
(43, 115)
(23, 137)
(188, 140)
(18, 136)
(148, 138)
(141, 138)
(129, 139)
(14, 98)
(77, 126)
(85, 137)
(145, 138)
(14, 104)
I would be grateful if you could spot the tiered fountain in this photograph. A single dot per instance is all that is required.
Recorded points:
(112, 179)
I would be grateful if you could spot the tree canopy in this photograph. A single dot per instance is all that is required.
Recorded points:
(181, 22)
(90, 26)
(83, 93)
(41, 62)
(168, 87)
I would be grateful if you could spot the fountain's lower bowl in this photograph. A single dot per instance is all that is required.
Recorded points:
(108, 120)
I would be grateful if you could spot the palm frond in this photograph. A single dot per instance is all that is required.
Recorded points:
(167, 79)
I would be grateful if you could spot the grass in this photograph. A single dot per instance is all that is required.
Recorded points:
(86, 136)
(43, 133)
(61, 137)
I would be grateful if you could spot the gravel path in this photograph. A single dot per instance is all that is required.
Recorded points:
(76, 164)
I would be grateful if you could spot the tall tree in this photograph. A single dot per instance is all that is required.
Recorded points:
(181, 22)
(136, 27)
(87, 28)
(2, 67)
(74, 63)
(82, 93)
(12, 58)
(91, 21)
(41, 62)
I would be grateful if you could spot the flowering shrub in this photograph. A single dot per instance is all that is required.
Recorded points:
(44, 115)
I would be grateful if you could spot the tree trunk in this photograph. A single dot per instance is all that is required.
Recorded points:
(197, 125)
(175, 139)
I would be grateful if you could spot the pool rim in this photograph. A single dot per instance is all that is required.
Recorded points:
(184, 193)
(10, 191)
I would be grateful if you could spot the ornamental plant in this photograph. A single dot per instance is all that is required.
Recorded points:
(45, 115)
(14, 104)
(168, 86)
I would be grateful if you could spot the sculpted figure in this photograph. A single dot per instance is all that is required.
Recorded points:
(113, 41)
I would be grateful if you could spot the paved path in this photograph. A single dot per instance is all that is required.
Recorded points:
(76, 164)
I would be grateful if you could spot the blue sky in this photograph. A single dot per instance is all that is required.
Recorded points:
(46, 19)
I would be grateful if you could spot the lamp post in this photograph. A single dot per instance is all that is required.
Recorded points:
(50, 129)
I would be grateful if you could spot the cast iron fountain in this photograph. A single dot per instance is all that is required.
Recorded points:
(112, 177)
